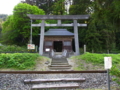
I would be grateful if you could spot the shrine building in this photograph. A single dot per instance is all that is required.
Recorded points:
(58, 40)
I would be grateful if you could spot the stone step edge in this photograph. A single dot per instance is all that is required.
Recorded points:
(54, 80)
(34, 87)
(60, 63)
(59, 66)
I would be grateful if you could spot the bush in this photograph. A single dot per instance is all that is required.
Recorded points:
(13, 49)
(18, 60)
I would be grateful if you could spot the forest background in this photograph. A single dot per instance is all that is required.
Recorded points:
(101, 34)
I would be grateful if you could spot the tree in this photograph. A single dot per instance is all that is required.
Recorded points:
(19, 24)
(2, 19)
(104, 18)
(46, 5)
(58, 8)
(80, 7)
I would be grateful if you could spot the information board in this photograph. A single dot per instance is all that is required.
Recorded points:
(31, 46)
(107, 62)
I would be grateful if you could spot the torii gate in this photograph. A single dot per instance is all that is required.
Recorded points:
(58, 18)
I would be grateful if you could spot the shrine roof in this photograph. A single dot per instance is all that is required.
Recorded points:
(58, 32)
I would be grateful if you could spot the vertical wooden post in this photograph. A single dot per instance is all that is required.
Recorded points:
(59, 22)
(84, 48)
(31, 32)
(77, 52)
(41, 38)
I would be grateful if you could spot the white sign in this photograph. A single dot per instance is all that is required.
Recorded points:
(107, 62)
(47, 49)
(31, 46)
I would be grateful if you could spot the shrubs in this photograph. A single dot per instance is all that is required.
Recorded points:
(18, 60)
(12, 48)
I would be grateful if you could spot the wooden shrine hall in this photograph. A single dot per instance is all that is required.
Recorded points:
(58, 40)
(46, 46)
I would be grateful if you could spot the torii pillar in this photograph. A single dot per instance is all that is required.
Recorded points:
(77, 50)
(42, 38)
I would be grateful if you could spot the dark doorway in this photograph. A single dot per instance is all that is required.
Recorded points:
(58, 46)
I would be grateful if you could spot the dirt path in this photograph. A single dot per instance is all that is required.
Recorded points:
(83, 65)
(42, 65)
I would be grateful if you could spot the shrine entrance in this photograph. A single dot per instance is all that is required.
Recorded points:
(58, 46)
(59, 19)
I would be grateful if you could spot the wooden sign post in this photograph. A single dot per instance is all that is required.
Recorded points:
(108, 65)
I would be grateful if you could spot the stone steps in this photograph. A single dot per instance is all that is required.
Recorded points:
(59, 83)
(59, 68)
(58, 63)
(60, 86)
(34, 81)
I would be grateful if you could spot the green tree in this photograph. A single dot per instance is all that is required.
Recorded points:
(8, 34)
(2, 19)
(58, 8)
(104, 19)
(80, 7)
(46, 5)
(92, 38)
(19, 24)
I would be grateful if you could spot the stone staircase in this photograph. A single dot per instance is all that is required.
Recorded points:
(59, 64)
(59, 61)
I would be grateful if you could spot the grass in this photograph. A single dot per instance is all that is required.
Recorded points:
(93, 61)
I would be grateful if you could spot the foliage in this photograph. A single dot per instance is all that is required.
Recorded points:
(103, 22)
(18, 60)
(98, 59)
(55, 7)
(16, 29)
(12, 48)
(58, 8)
(80, 7)
(2, 19)
(116, 71)
(103, 28)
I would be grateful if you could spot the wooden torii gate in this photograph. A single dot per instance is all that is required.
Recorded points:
(58, 18)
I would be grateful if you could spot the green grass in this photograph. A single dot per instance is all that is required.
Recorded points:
(98, 60)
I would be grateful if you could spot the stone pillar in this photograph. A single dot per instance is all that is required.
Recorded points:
(84, 48)
(41, 38)
(77, 52)
(31, 32)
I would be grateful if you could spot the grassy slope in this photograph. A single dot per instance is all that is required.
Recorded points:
(92, 61)
(22, 61)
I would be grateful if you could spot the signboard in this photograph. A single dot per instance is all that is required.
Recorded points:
(31, 46)
(47, 49)
(107, 62)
